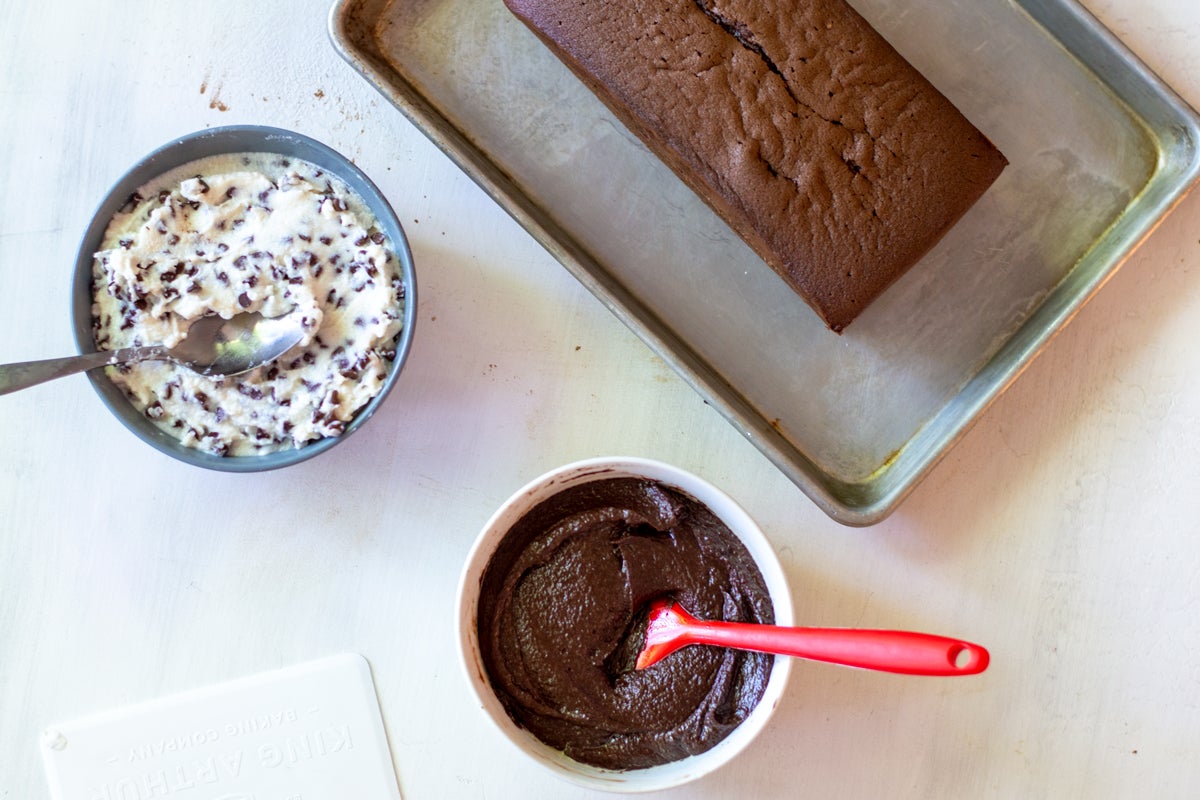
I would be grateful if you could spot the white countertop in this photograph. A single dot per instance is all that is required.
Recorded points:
(1061, 532)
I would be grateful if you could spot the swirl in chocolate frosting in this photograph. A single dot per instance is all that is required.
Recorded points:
(561, 595)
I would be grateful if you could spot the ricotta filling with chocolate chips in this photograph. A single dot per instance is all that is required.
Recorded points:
(250, 232)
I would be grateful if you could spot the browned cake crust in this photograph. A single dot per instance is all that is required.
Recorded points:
(806, 131)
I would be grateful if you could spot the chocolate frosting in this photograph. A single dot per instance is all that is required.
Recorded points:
(564, 591)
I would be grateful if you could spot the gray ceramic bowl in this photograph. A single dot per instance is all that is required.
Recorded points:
(212, 142)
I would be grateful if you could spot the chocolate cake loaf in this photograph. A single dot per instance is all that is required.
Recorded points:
(835, 160)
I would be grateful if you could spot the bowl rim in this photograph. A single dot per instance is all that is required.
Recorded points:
(203, 144)
(664, 776)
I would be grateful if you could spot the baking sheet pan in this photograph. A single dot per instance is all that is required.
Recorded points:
(1099, 149)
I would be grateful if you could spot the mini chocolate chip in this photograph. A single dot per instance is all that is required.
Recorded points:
(131, 202)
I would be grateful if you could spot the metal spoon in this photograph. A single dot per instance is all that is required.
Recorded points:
(214, 346)
(668, 627)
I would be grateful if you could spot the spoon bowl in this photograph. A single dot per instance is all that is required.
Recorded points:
(218, 347)
(213, 346)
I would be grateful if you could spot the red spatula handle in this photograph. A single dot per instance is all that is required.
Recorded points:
(904, 652)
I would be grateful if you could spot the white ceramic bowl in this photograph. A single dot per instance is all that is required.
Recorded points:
(640, 780)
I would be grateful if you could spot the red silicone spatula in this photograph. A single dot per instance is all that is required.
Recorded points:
(670, 627)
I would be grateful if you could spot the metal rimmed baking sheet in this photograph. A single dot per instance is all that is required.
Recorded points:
(1099, 149)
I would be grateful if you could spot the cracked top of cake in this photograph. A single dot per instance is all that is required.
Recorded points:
(835, 160)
